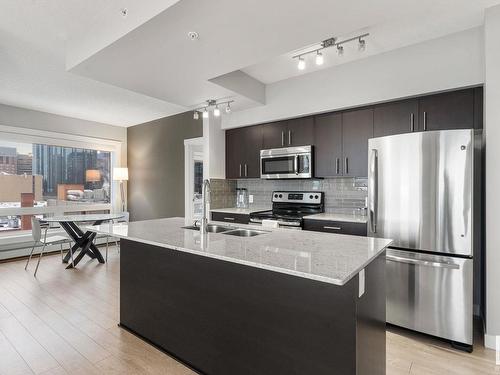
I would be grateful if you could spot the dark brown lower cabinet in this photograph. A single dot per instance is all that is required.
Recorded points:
(231, 218)
(339, 227)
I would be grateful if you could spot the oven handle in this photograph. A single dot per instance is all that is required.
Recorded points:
(418, 262)
(296, 164)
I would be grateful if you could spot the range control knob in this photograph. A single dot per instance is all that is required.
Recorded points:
(281, 195)
(311, 196)
(275, 195)
(316, 197)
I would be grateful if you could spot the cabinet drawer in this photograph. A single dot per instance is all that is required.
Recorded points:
(339, 227)
(231, 218)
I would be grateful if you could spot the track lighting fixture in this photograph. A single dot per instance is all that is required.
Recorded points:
(340, 50)
(327, 43)
(319, 58)
(361, 44)
(302, 63)
(210, 105)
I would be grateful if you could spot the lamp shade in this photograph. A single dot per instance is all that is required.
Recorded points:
(120, 174)
(92, 175)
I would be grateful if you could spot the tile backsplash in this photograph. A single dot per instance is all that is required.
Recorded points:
(342, 195)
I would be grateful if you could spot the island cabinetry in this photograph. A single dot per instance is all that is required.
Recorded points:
(225, 318)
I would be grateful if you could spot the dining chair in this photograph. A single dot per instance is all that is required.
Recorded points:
(124, 219)
(36, 232)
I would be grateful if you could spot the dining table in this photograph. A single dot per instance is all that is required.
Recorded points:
(84, 240)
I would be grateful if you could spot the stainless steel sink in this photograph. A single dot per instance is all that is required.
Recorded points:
(211, 228)
(244, 232)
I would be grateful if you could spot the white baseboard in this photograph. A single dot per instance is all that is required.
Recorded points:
(490, 341)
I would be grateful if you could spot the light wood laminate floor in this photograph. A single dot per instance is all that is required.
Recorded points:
(65, 322)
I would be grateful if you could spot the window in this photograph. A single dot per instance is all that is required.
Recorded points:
(41, 175)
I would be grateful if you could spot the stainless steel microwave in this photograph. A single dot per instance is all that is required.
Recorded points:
(287, 162)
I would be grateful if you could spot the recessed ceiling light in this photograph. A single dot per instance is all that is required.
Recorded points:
(193, 35)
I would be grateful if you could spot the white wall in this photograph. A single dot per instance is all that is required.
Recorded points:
(492, 135)
(214, 148)
(440, 64)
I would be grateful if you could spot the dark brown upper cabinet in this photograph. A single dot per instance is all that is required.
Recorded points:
(450, 110)
(357, 128)
(274, 135)
(243, 147)
(328, 145)
(395, 118)
(287, 133)
(300, 131)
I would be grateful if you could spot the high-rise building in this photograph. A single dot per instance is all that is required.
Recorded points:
(24, 164)
(8, 160)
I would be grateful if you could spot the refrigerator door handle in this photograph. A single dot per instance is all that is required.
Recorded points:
(418, 262)
(373, 190)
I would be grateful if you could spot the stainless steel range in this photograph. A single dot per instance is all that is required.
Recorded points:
(289, 207)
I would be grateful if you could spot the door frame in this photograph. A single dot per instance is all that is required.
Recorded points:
(189, 154)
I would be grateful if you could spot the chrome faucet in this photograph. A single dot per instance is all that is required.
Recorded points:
(206, 200)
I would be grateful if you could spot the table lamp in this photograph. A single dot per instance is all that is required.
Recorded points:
(93, 176)
(121, 174)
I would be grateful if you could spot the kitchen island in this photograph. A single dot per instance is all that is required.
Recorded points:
(282, 302)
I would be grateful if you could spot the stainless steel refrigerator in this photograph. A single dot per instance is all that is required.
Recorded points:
(423, 192)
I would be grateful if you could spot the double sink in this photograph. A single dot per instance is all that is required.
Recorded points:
(239, 232)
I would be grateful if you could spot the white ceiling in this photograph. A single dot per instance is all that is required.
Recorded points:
(125, 71)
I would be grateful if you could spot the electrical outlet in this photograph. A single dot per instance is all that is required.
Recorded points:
(250, 198)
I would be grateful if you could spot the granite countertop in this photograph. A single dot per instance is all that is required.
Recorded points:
(338, 217)
(324, 257)
(242, 211)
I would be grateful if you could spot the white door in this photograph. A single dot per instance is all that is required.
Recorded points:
(193, 151)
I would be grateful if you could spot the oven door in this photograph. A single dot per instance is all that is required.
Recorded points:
(295, 162)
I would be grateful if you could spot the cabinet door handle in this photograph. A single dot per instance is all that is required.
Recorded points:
(289, 137)
(333, 228)
(229, 218)
(346, 165)
(337, 165)
(282, 137)
(425, 121)
(240, 170)
(412, 122)
(246, 170)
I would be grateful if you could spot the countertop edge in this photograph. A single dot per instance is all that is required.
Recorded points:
(325, 279)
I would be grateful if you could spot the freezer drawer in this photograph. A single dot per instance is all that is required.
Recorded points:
(430, 294)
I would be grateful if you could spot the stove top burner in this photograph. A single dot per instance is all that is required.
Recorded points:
(290, 207)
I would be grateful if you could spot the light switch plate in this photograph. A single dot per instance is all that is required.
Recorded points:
(250, 198)
(361, 278)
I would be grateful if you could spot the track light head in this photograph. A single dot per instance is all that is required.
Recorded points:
(228, 108)
(361, 44)
(302, 63)
(319, 58)
(340, 50)
(196, 116)
(205, 113)
(216, 111)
